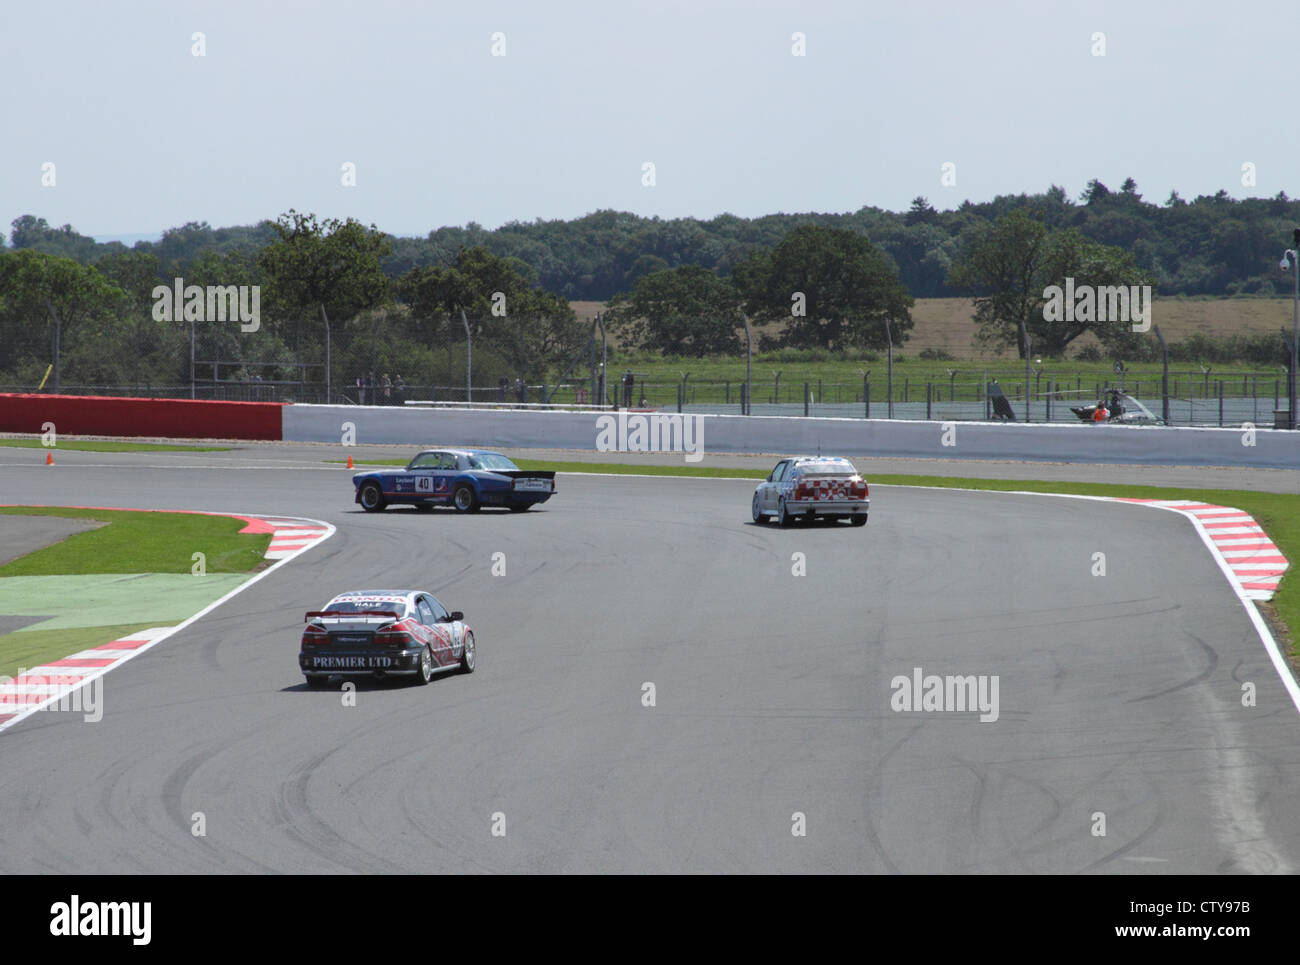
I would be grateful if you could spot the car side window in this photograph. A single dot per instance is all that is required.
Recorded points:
(426, 612)
(439, 613)
(779, 471)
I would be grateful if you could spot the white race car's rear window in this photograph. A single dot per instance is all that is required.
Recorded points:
(827, 467)
(367, 605)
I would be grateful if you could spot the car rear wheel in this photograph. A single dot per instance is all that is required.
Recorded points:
(372, 498)
(783, 519)
(860, 520)
(464, 499)
(467, 654)
(759, 518)
(425, 672)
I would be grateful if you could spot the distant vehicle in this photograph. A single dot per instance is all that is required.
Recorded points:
(382, 632)
(812, 487)
(465, 479)
(1117, 407)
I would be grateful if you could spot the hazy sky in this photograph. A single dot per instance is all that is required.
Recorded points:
(144, 135)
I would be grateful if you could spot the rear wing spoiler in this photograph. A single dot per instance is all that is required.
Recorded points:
(317, 614)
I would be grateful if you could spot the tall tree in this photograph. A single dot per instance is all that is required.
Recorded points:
(328, 267)
(532, 329)
(50, 296)
(831, 287)
(679, 311)
(1010, 267)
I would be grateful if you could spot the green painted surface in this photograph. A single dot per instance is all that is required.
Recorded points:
(102, 599)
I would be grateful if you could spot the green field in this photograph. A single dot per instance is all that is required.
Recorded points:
(141, 542)
(837, 380)
(105, 446)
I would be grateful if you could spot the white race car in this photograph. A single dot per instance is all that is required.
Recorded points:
(383, 632)
(812, 487)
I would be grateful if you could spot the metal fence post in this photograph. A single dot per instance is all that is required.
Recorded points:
(1220, 403)
(805, 398)
(866, 396)
(927, 401)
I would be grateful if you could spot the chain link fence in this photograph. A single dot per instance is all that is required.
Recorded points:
(1194, 399)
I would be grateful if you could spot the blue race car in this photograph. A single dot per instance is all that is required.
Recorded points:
(466, 479)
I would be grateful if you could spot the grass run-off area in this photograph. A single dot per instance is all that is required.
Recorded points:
(106, 446)
(141, 542)
(1278, 513)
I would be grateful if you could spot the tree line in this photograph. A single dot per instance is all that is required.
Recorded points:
(342, 297)
(1211, 245)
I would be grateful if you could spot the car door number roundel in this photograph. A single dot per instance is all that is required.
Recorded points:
(424, 484)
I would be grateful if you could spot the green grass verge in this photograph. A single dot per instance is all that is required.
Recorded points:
(26, 649)
(110, 446)
(141, 542)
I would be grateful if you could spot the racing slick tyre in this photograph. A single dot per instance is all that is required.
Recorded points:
(372, 498)
(467, 655)
(425, 672)
(783, 519)
(860, 520)
(464, 499)
(759, 518)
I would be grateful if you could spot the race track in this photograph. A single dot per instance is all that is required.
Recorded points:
(1119, 694)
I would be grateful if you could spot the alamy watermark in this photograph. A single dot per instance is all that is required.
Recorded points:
(1105, 303)
(86, 699)
(953, 694)
(75, 918)
(215, 303)
(651, 432)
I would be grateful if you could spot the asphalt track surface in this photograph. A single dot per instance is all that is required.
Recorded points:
(1118, 694)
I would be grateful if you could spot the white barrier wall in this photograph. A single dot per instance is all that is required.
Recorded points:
(491, 428)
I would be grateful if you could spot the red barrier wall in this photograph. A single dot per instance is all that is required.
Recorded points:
(88, 415)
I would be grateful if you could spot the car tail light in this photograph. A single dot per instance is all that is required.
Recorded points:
(314, 636)
(859, 487)
(392, 636)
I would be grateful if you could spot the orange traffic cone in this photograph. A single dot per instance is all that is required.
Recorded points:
(349, 462)
(49, 459)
